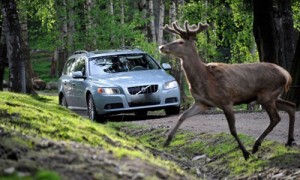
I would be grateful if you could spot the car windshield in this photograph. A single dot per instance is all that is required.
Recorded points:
(121, 63)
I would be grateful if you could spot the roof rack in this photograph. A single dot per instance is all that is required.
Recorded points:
(81, 52)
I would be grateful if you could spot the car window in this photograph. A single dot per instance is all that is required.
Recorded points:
(121, 63)
(68, 67)
(79, 65)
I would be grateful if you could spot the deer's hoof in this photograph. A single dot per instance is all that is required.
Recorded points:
(291, 142)
(167, 142)
(255, 148)
(246, 155)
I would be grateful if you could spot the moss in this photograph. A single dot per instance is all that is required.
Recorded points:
(42, 116)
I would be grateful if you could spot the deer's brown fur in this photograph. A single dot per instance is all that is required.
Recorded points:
(223, 85)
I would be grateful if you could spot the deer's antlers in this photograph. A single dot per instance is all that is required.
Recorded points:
(190, 31)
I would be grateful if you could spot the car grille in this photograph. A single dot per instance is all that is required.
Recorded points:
(143, 89)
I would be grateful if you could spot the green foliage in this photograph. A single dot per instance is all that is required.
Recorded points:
(41, 64)
(296, 14)
(229, 38)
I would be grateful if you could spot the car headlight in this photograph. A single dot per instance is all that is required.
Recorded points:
(109, 91)
(170, 85)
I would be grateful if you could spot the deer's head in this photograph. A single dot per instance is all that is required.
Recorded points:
(182, 46)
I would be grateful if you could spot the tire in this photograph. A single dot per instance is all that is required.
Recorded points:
(91, 110)
(174, 110)
(141, 113)
(63, 101)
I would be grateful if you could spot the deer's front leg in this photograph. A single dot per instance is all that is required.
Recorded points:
(231, 122)
(193, 110)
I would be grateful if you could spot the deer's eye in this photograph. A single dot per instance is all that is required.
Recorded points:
(180, 42)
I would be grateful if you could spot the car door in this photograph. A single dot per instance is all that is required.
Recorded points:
(79, 83)
(66, 84)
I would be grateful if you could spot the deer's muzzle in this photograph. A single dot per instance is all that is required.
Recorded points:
(162, 49)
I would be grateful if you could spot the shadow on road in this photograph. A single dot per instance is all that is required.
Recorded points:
(131, 117)
(125, 117)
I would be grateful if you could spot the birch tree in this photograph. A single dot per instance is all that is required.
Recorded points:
(152, 21)
(161, 22)
(122, 22)
(26, 50)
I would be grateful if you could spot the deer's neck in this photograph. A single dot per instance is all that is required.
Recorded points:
(194, 68)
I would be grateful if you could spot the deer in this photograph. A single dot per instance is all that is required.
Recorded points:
(225, 85)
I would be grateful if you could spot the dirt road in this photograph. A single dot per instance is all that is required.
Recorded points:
(252, 124)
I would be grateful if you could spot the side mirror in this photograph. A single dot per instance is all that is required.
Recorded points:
(77, 74)
(166, 66)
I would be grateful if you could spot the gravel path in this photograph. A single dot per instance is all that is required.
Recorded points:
(252, 124)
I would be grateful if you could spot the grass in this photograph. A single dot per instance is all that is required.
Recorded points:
(41, 64)
(222, 151)
(42, 116)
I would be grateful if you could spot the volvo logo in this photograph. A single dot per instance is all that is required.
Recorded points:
(143, 90)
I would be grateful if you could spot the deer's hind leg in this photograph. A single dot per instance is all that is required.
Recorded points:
(193, 110)
(290, 109)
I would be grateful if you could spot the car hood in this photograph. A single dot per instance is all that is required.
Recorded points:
(133, 78)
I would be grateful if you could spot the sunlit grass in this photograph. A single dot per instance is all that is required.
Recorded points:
(42, 116)
(223, 151)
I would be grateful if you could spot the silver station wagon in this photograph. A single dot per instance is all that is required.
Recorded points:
(117, 81)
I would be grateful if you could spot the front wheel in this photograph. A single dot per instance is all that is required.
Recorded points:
(92, 113)
(174, 110)
(63, 101)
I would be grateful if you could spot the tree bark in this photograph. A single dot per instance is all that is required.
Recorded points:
(273, 31)
(61, 7)
(152, 22)
(122, 21)
(26, 51)
(177, 71)
(3, 57)
(14, 44)
(161, 22)
(294, 92)
(71, 26)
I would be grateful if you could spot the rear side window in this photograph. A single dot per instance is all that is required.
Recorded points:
(68, 67)
(73, 65)
(79, 65)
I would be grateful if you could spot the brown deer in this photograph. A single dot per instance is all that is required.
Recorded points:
(223, 85)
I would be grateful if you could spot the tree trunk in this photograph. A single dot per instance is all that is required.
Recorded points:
(152, 22)
(161, 22)
(63, 28)
(89, 26)
(14, 46)
(112, 13)
(143, 9)
(3, 57)
(26, 51)
(273, 31)
(177, 71)
(122, 22)
(70, 26)
(294, 92)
